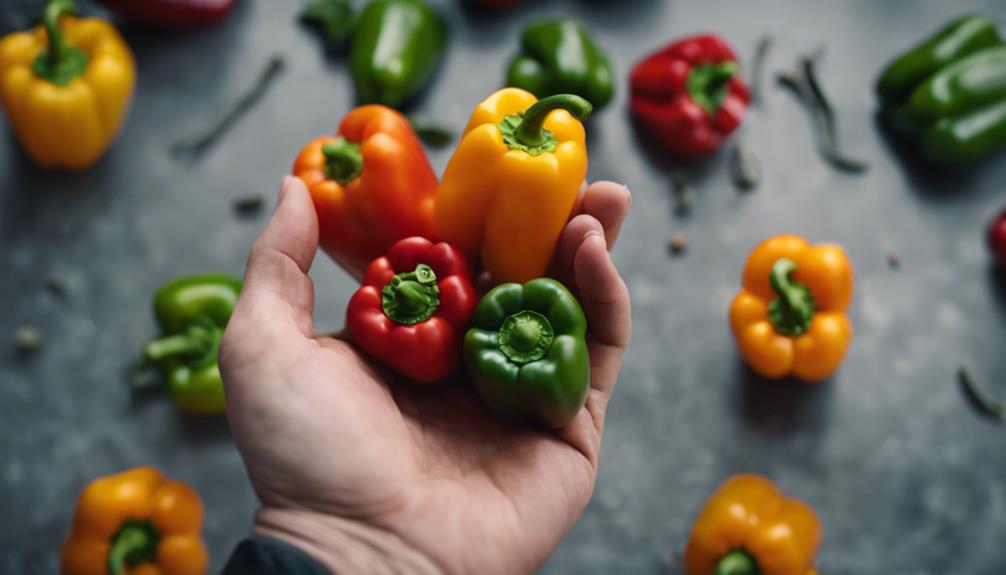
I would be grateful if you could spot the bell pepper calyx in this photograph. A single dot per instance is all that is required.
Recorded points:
(343, 160)
(135, 543)
(196, 345)
(737, 562)
(708, 84)
(60, 62)
(525, 337)
(411, 297)
(792, 311)
(526, 130)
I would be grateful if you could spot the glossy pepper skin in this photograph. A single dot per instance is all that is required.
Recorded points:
(689, 96)
(789, 317)
(66, 87)
(949, 94)
(372, 185)
(513, 181)
(749, 528)
(559, 57)
(136, 522)
(413, 307)
(173, 13)
(526, 352)
(997, 238)
(396, 46)
(193, 312)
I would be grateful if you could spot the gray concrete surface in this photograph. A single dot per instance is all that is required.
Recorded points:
(906, 478)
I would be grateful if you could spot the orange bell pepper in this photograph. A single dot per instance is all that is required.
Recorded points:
(513, 181)
(372, 185)
(749, 528)
(136, 522)
(789, 318)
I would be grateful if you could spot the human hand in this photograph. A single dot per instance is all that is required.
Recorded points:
(369, 472)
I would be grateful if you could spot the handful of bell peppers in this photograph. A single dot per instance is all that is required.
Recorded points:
(192, 312)
(66, 87)
(559, 57)
(136, 522)
(789, 318)
(948, 94)
(372, 185)
(748, 527)
(689, 96)
(413, 306)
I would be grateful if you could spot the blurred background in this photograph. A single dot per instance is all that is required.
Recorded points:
(905, 476)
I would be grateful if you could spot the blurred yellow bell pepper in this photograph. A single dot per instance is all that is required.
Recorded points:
(66, 86)
(509, 188)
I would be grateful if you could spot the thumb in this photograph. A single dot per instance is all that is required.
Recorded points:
(277, 299)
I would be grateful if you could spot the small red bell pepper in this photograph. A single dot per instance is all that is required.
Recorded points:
(689, 96)
(413, 308)
(173, 13)
(997, 237)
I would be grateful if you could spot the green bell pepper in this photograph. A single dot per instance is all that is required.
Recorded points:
(396, 46)
(559, 57)
(527, 354)
(192, 312)
(949, 94)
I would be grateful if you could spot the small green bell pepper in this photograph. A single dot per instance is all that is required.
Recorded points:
(559, 57)
(949, 94)
(396, 46)
(527, 354)
(192, 312)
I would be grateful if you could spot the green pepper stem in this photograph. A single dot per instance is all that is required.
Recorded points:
(792, 311)
(707, 84)
(58, 47)
(343, 160)
(411, 297)
(174, 345)
(737, 562)
(525, 337)
(197, 344)
(133, 544)
(531, 131)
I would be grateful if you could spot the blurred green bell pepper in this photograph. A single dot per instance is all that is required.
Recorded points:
(192, 312)
(526, 352)
(396, 46)
(559, 57)
(949, 93)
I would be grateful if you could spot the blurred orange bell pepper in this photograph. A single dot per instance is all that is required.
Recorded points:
(372, 185)
(512, 183)
(789, 318)
(66, 86)
(749, 528)
(136, 522)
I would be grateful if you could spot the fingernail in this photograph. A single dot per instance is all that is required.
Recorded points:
(284, 187)
(590, 233)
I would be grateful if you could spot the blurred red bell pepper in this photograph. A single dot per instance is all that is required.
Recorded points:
(689, 96)
(413, 308)
(997, 237)
(174, 13)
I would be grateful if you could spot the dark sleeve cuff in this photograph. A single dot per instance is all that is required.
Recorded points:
(271, 557)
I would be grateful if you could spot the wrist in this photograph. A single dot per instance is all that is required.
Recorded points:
(343, 545)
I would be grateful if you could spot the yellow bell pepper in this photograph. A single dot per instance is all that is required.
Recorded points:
(66, 86)
(511, 185)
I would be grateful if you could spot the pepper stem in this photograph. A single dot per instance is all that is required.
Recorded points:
(411, 297)
(197, 344)
(792, 311)
(531, 131)
(737, 562)
(60, 62)
(135, 543)
(707, 84)
(525, 337)
(343, 160)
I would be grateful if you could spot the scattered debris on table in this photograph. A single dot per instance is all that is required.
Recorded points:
(744, 166)
(27, 339)
(894, 259)
(684, 194)
(57, 286)
(430, 131)
(249, 205)
(978, 397)
(678, 243)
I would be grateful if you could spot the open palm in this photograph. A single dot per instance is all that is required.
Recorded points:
(353, 462)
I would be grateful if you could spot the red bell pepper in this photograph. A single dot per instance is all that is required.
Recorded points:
(413, 308)
(689, 96)
(997, 237)
(173, 13)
